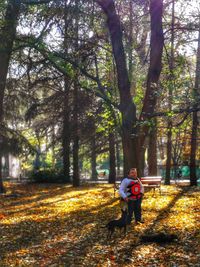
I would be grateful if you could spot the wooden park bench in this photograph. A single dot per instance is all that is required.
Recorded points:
(147, 181)
(152, 182)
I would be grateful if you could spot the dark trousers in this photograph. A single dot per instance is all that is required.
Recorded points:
(134, 206)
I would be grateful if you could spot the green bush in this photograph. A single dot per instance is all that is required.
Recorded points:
(47, 176)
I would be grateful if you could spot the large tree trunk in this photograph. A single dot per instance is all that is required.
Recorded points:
(112, 172)
(7, 37)
(156, 49)
(193, 177)
(127, 107)
(131, 150)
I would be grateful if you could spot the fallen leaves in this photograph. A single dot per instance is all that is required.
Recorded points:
(57, 225)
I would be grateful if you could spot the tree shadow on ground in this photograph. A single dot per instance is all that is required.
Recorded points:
(127, 251)
(30, 233)
(73, 251)
(43, 195)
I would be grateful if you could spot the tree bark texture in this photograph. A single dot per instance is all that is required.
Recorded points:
(169, 153)
(76, 174)
(93, 158)
(112, 159)
(169, 123)
(195, 122)
(7, 37)
(127, 107)
(156, 49)
(66, 134)
(152, 152)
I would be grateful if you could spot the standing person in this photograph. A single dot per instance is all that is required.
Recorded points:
(131, 190)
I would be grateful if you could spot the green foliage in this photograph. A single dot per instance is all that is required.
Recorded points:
(47, 176)
(12, 141)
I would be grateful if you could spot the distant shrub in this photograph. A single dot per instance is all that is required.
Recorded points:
(47, 176)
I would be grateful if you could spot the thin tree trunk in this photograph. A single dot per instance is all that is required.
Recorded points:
(2, 189)
(66, 135)
(76, 174)
(152, 152)
(117, 155)
(195, 122)
(93, 158)
(112, 159)
(169, 153)
(53, 147)
(169, 125)
(193, 176)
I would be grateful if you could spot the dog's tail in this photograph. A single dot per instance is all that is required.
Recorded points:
(105, 226)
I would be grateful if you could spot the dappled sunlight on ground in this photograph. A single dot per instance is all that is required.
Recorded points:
(57, 225)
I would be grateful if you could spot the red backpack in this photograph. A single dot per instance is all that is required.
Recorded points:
(135, 189)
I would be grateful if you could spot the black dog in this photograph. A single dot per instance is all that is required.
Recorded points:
(120, 223)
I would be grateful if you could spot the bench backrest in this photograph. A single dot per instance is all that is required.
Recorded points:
(151, 180)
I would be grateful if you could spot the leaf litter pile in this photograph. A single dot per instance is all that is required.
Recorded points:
(58, 225)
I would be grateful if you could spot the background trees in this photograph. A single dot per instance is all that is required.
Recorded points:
(85, 78)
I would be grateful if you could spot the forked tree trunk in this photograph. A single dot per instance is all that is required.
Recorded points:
(131, 150)
(127, 107)
(156, 50)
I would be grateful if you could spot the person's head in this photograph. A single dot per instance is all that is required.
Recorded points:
(132, 173)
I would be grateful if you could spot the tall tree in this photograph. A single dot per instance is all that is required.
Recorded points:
(127, 107)
(155, 67)
(76, 175)
(7, 37)
(66, 134)
(195, 122)
(171, 78)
